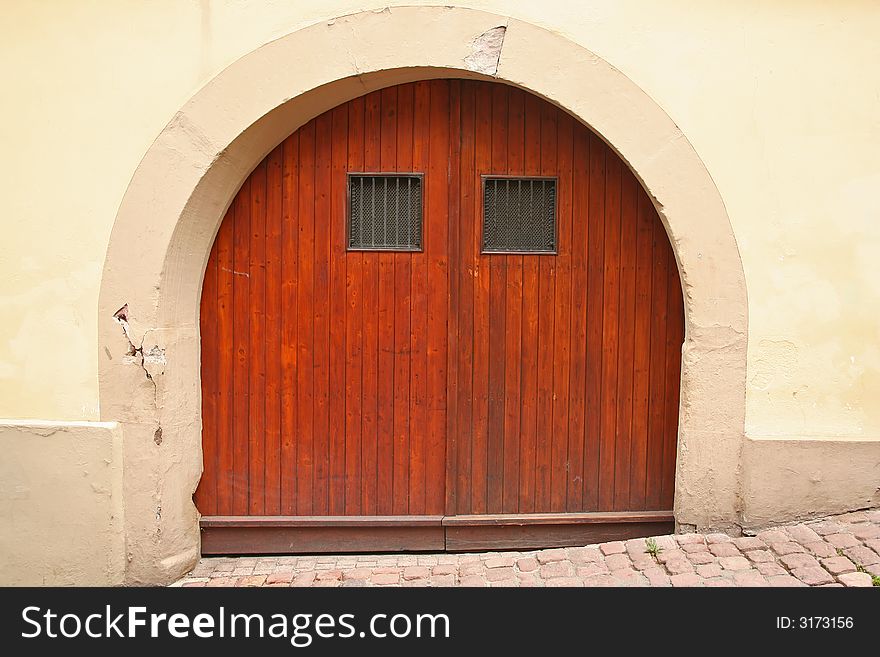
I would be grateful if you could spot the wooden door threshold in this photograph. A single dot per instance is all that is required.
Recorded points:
(467, 533)
(480, 533)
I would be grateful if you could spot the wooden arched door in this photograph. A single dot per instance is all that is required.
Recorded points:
(387, 367)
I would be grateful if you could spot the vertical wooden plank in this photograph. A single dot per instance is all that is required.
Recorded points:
(206, 494)
(386, 382)
(577, 381)
(321, 356)
(402, 308)
(241, 331)
(306, 342)
(641, 352)
(595, 306)
(626, 338)
(226, 365)
(453, 250)
(370, 373)
(610, 325)
(497, 319)
(514, 319)
(562, 319)
(546, 330)
(465, 269)
(674, 339)
(529, 331)
(289, 315)
(438, 283)
(274, 311)
(657, 376)
(419, 313)
(482, 159)
(354, 331)
(257, 345)
(337, 396)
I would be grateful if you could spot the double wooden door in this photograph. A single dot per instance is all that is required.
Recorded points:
(445, 398)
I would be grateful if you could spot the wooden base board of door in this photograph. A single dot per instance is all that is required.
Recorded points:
(349, 534)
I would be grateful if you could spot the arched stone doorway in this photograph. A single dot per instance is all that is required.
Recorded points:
(149, 373)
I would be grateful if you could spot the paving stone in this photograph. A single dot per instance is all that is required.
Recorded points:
(718, 582)
(279, 578)
(702, 557)
(855, 579)
(671, 555)
(666, 542)
(786, 547)
(691, 548)
(549, 556)
(770, 569)
(474, 568)
(615, 547)
(221, 581)
(874, 544)
(530, 579)
(813, 576)
(679, 567)
(328, 575)
(527, 564)
(838, 565)
(600, 580)
(384, 579)
(801, 533)
(472, 580)
(251, 580)
(718, 538)
(749, 578)
(617, 561)
(708, 570)
(689, 539)
(842, 540)
(498, 574)
(825, 527)
(686, 579)
(734, 563)
(590, 569)
(416, 572)
(865, 530)
(556, 569)
(798, 560)
(853, 517)
(773, 536)
(746, 543)
(444, 569)
(834, 585)
(443, 580)
(862, 555)
(656, 576)
(416, 583)
(821, 549)
(564, 582)
(640, 562)
(760, 556)
(499, 562)
(584, 554)
(357, 573)
(629, 577)
(303, 579)
(724, 550)
(784, 581)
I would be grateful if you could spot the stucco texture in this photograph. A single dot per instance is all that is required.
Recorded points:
(767, 114)
(61, 504)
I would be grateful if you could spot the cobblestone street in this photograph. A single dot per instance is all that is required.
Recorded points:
(837, 551)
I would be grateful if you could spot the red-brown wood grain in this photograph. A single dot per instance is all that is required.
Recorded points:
(446, 381)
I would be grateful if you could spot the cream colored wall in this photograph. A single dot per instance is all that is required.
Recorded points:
(61, 504)
(778, 98)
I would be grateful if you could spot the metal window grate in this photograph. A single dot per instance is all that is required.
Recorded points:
(519, 215)
(384, 212)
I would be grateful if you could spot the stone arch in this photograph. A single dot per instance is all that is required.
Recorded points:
(163, 232)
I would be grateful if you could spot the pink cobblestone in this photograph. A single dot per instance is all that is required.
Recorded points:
(824, 552)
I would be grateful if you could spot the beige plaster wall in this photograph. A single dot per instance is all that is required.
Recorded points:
(778, 98)
(61, 504)
(788, 479)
